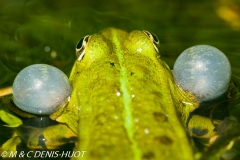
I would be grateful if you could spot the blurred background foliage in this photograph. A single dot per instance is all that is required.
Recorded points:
(43, 31)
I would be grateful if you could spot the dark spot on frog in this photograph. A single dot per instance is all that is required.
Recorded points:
(164, 140)
(148, 155)
(132, 73)
(112, 64)
(199, 132)
(160, 117)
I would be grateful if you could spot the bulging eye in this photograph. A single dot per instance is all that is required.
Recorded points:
(40, 89)
(204, 71)
(81, 46)
(154, 40)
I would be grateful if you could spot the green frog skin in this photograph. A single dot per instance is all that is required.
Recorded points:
(125, 103)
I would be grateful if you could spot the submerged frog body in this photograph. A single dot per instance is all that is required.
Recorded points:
(125, 103)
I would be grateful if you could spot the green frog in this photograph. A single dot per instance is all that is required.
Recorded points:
(125, 103)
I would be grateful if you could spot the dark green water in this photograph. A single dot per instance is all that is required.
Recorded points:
(44, 31)
(28, 26)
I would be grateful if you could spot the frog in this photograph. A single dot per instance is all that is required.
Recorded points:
(125, 103)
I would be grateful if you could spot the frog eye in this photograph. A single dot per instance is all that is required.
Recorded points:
(154, 40)
(80, 48)
(204, 71)
(40, 89)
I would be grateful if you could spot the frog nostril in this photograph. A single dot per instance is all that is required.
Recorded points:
(40, 89)
(203, 70)
(112, 64)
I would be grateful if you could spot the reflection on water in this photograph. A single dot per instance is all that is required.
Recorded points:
(24, 136)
